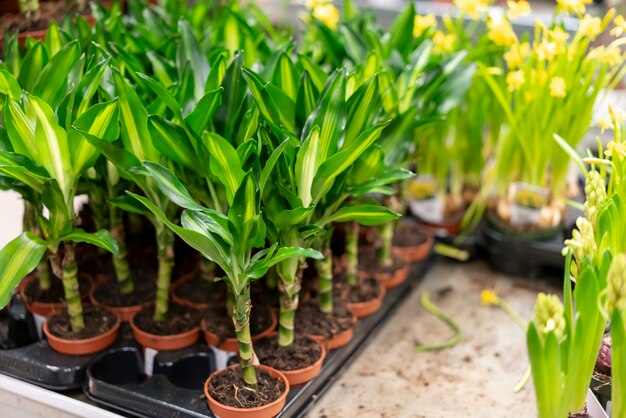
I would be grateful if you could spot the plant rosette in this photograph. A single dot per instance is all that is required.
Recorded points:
(268, 410)
(302, 373)
(73, 344)
(230, 344)
(162, 341)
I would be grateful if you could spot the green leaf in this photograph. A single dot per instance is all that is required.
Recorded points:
(9, 85)
(21, 168)
(33, 64)
(259, 269)
(286, 76)
(189, 51)
(162, 93)
(225, 163)
(171, 186)
(368, 215)
(129, 204)
(208, 222)
(17, 259)
(51, 84)
(388, 177)
(244, 211)
(308, 160)
(172, 141)
(306, 99)
(362, 108)
(401, 30)
(202, 114)
(316, 73)
(270, 164)
(341, 161)
(101, 239)
(21, 130)
(267, 102)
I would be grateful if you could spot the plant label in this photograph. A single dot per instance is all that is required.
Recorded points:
(221, 358)
(148, 365)
(39, 321)
(425, 203)
(527, 202)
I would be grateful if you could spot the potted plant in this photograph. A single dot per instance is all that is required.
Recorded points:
(228, 240)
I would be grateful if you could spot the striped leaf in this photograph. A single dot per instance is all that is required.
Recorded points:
(259, 268)
(209, 221)
(162, 93)
(32, 65)
(202, 115)
(286, 76)
(51, 84)
(341, 161)
(189, 51)
(225, 163)
(101, 239)
(362, 109)
(18, 259)
(308, 160)
(317, 74)
(172, 141)
(306, 99)
(388, 177)
(244, 212)
(21, 168)
(21, 130)
(9, 85)
(368, 215)
(171, 187)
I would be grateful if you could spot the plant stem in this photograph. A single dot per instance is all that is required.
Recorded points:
(230, 301)
(70, 286)
(325, 280)
(165, 244)
(352, 252)
(120, 262)
(241, 322)
(207, 269)
(289, 301)
(98, 205)
(31, 223)
(384, 254)
(438, 313)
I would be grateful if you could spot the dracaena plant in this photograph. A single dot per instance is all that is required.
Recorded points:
(229, 239)
(552, 84)
(318, 159)
(51, 160)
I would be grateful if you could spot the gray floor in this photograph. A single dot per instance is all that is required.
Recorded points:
(473, 379)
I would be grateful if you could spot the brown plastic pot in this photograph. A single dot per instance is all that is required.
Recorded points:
(164, 342)
(391, 280)
(230, 344)
(125, 313)
(305, 374)
(337, 340)
(41, 308)
(82, 347)
(368, 307)
(414, 254)
(266, 411)
(181, 301)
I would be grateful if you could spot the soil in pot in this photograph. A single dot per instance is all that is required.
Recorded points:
(228, 388)
(302, 353)
(201, 292)
(408, 235)
(218, 322)
(368, 263)
(311, 321)
(366, 289)
(109, 294)
(97, 322)
(179, 319)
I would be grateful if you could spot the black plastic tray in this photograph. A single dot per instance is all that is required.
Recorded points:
(522, 256)
(116, 379)
(27, 358)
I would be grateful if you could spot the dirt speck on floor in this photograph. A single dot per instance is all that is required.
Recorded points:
(475, 378)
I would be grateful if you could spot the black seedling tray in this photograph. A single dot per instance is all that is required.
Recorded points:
(24, 356)
(523, 256)
(116, 379)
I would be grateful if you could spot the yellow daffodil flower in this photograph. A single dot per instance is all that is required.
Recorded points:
(620, 26)
(312, 4)
(444, 42)
(501, 32)
(472, 8)
(515, 80)
(327, 14)
(604, 124)
(488, 297)
(615, 150)
(422, 23)
(546, 51)
(590, 27)
(557, 87)
(516, 55)
(573, 6)
(518, 9)
(611, 56)
(559, 37)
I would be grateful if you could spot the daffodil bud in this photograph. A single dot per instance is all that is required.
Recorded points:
(595, 190)
(549, 315)
(616, 284)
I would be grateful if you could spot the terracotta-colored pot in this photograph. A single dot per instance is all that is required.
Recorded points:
(164, 342)
(41, 308)
(181, 301)
(266, 411)
(82, 347)
(391, 280)
(303, 375)
(125, 313)
(231, 344)
(369, 307)
(337, 340)
(414, 254)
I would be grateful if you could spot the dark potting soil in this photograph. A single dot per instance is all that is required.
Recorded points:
(92, 261)
(408, 235)
(221, 324)
(365, 290)
(311, 321)
(97, 322)
(179, 319)
(228, 388)
(49, 10)
(369, 262)
(109, 293)
(303, 352)
(199, 290)
(56, 293)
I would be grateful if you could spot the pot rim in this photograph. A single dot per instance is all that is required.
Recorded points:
(270, 370)
(172, 337)
(83, 341)
(315, 364)
(381, 295)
